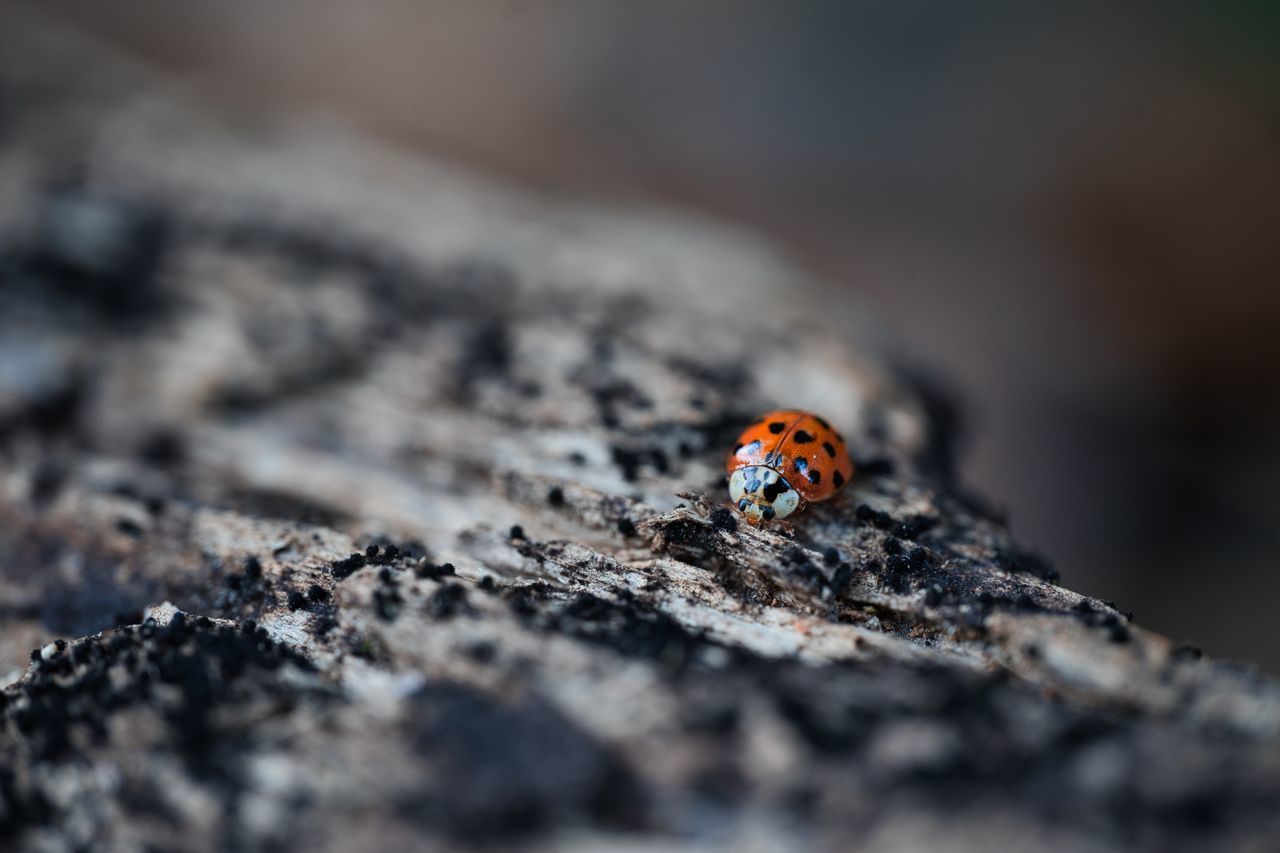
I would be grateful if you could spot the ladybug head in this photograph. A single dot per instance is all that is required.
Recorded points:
(762, 494)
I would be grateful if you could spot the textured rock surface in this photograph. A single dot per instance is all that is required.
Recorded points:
(353, 503)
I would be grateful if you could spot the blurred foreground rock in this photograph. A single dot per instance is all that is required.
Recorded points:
(353, 503)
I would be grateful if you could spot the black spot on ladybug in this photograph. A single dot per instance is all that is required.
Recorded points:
(815, 477)
(802, 437)
(838, 479)
(823, 422)
(743, 504)
(830, 448)
(802, 465)
(777, 427)
(767, 513)
(774, 489)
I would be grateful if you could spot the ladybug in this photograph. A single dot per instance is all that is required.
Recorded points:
(783, 460)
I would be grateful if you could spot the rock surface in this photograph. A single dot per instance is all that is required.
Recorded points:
(352, 502)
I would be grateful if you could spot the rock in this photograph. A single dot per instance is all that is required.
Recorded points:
(387, 509)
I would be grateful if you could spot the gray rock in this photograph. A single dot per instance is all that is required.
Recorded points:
(306, 372)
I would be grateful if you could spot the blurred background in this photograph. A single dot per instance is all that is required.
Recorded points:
(1066, 211)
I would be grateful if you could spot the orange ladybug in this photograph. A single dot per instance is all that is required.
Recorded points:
(783, 460)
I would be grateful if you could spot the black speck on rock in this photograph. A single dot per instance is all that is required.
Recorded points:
(1026, 562)
(129, 527)
(723, 519)
(690, 539)
(349, 565)
(628, 461)
(630, 629)
(626, 526)
(1187, 652)
(447, 601)
(297, 600)
(840, 578)
(486, 354)
(881, 466)
(508, 768)
(914, 526)
(797, 563)
(866, 515)
(425, 569)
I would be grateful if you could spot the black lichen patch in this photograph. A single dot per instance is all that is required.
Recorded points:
(290, 506)
(195, 676)
(102, 251)
(880, 466)
(487, 353)
(509, 768)
(631, 460)
(348, 566)
(968, 747)
(447, 601)
(1115, 627)
(689, 540)
(629, 627)
(613, 396)
(724, 519)
(426, 569)
(796, 564)
(914, 526)
(1015, 559)
(864, 514)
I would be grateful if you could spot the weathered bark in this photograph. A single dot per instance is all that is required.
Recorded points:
(233, 360)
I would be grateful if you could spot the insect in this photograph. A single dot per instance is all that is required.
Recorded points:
(784, 460)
